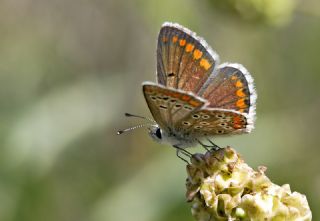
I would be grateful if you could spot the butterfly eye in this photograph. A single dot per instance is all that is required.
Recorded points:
(158, 133)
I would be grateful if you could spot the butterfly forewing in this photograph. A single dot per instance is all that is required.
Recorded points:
(168, 106)
(184, 61)
(210, 122)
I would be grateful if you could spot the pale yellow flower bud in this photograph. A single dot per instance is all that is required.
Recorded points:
(221, 186)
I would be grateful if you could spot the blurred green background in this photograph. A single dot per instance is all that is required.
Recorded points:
(70, 69)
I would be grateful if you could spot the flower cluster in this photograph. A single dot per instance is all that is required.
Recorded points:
(221, 186)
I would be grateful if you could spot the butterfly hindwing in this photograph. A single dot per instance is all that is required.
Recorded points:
(184, 60)
(210, 122)
(231, 87)
(168, 106)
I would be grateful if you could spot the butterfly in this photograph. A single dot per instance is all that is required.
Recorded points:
(196, 97)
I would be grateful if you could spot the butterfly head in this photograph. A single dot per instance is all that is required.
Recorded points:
(156, 133)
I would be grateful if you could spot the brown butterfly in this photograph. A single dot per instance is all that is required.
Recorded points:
(195, 97)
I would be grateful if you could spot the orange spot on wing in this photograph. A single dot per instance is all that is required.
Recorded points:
(167, 93)
(174, 39)
(175, 95)
(197, 54)
(240, 93)
(237, 119)
(194, 103)
(205, 64)
(189, 47)
(237, 122)
(240, 103)
(164, 39)
(239, 83)
(185, 98)
(237, 126)
(182, 42)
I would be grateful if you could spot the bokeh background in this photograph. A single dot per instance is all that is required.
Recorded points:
(70, 69)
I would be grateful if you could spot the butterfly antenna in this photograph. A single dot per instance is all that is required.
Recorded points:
(137, 116)
(133, 128)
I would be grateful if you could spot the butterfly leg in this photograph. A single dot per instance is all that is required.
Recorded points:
(178, 155)
(204, 145)
(211, 147)
(182, 151)
(214, 146)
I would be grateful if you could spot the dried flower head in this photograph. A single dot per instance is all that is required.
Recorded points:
(222, 187)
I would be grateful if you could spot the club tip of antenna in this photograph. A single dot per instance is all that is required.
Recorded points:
(127, 114)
